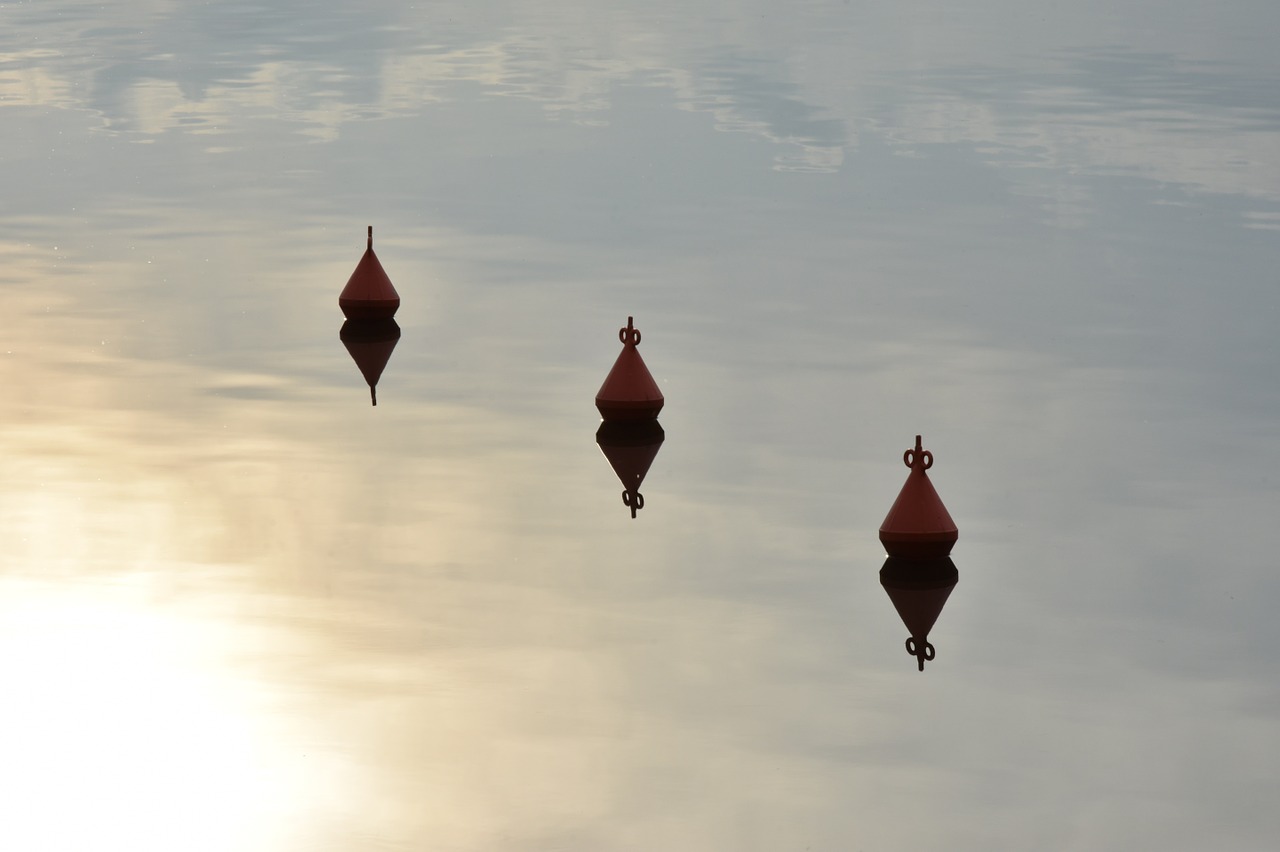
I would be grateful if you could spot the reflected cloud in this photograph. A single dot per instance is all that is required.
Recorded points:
(214, 69)
(219, 68)
(1204, 125)
(754, 96)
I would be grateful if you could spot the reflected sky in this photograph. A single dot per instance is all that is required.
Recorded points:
(241, 608)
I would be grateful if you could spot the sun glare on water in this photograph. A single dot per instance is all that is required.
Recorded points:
(123, 727)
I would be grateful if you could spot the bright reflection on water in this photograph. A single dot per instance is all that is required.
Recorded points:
(243, 609)
(124, 729)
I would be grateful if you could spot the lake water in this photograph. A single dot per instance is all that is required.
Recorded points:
(243, 609)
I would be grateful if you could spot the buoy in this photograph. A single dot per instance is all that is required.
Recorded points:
(918, 526)
(629, 392)
(369, 293)
(630, 449)
(370, 343)
(918, 589)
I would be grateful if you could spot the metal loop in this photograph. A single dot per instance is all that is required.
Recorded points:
(926, 459)
(630, 335)
(923, 649)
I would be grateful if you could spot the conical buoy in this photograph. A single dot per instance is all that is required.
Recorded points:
(918, 526)
(629, 392)
(369, 293)
(370, 343)
(630, 449)
(918, 589)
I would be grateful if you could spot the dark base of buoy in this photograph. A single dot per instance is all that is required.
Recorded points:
(919, 574)
(369, 330)
(615, 411)
(369, 309)
(637, 433)
(918, 546)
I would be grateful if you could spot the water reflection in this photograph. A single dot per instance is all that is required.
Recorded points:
(630, 449)
(370, 343)
(919, 588)
(1038, 252)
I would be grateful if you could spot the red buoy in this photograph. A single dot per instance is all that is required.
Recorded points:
(369, 293)
(918, 526)
(370, 343)
(629, 392)
(630, 449)
(919, 588)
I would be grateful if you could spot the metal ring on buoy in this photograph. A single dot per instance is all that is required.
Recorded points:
(926, 459)
(924, 650)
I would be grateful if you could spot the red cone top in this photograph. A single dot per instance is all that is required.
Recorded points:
(629, 391)
(918, 526)
(369, 293)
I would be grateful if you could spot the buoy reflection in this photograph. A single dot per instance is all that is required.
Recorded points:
(630, 449)
(919, 588)
(370, 343)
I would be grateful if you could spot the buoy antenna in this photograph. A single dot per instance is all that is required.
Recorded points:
(370, 245)
(373, 393)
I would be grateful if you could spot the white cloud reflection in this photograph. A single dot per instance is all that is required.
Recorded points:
(1102, 112)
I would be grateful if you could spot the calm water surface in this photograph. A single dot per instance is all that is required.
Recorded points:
(243, 609)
